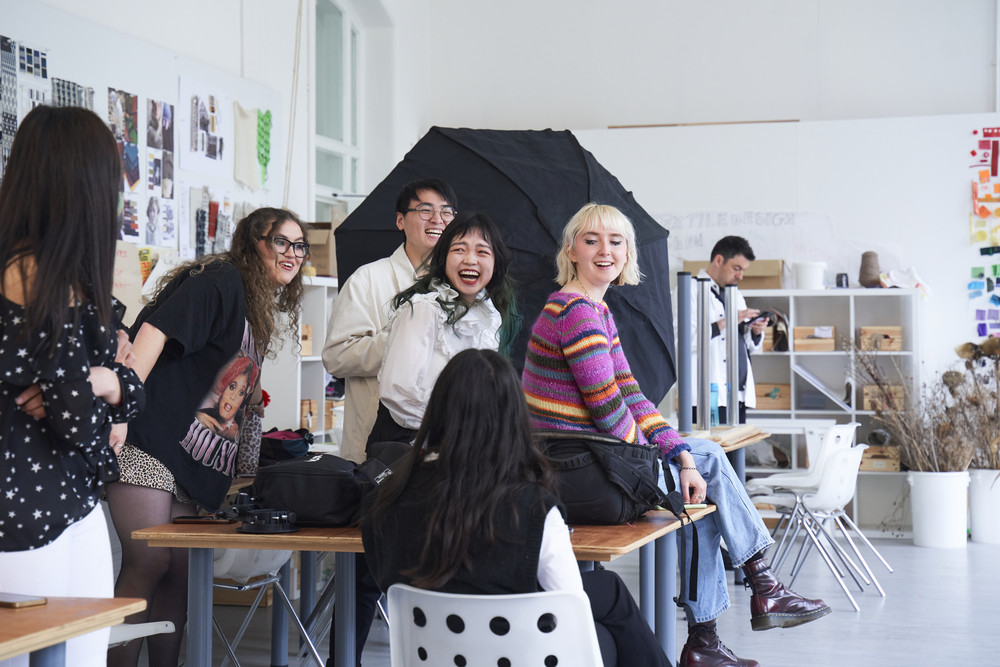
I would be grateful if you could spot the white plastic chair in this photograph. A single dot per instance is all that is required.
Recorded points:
(785, 490)
(813, 512)
(431, 628)
(819, 444)
(243, 566)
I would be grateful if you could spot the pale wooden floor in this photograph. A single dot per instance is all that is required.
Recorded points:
(942, 608)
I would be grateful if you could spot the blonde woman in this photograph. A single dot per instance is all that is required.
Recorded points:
(576, 377)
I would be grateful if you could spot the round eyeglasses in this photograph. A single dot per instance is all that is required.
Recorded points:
(281, 246)
(426, 212)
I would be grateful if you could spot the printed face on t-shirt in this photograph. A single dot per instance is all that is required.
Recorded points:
(232, 397)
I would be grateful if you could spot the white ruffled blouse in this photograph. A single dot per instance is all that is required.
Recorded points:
(421, 342)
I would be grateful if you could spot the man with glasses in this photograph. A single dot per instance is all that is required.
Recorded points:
(356, 340)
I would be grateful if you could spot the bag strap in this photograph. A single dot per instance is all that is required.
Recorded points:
(637, 487)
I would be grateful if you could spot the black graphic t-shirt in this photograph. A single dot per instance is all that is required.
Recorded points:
(200, 387)
(52, 469)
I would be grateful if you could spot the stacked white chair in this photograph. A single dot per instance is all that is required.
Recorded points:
(814, 511)
(785, 490)
(431, 628)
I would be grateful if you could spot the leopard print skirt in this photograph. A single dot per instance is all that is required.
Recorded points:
(143, 469)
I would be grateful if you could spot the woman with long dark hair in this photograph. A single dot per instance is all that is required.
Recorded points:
(471, 510)
(576, 377)
(59, 219)
(464, 300)
(211, 320)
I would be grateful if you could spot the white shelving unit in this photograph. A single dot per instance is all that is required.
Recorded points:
(290, 378)
(818, 378)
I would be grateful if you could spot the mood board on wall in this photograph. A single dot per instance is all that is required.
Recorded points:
(197, 144)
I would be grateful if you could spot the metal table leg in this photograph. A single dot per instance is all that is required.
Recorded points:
(279, 620)
(50, 656)
(647, 578)
(343, 637)
(666, 591)
(199, 623)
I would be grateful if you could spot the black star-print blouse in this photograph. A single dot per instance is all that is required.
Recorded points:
(52, 469)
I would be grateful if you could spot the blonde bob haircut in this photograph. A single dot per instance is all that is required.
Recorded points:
(598, 217)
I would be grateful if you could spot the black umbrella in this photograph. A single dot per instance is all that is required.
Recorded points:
(530, 183)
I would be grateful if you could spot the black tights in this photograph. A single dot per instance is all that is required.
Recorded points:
(157, 574)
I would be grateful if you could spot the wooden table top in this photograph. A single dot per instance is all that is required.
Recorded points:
(605, 543)
(31, 628)
(602, 543)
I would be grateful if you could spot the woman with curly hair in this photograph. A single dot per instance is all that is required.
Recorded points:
(210, 321)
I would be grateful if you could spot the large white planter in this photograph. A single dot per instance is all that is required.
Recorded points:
(984, 503)
(940, 504)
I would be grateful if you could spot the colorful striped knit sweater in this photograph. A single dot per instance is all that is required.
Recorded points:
(576, 377)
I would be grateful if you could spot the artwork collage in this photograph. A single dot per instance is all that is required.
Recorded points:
(984, 230)
(202, 131)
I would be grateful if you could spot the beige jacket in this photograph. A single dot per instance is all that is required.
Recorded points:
(356, 342)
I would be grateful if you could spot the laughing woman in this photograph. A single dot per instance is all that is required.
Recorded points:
(198, 346)
(576, 377)
(465, 300)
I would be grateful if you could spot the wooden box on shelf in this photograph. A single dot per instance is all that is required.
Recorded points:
(880, 459)
(307, 340)
(330, 420)
(308, 415)
(814, 339)
(872, 398)
(767, 345)
(774, 396)
(882, 338)
(761, 274)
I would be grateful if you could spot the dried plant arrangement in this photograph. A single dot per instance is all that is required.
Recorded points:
(938, 429)
(978, 390)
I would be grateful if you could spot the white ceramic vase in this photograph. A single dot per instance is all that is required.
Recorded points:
(940, 505)
(984, 505)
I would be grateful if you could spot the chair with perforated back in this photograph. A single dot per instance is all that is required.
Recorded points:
(547, 628)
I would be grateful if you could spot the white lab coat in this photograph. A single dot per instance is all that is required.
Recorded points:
(717, 348)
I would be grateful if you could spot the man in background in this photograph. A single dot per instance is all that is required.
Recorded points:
(730, 257)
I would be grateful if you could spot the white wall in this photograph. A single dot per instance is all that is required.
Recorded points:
(589, 63)
(899, 186)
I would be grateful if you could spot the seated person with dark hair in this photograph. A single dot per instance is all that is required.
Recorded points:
(471, 510)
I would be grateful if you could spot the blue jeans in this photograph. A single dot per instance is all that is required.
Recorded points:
(736, 521)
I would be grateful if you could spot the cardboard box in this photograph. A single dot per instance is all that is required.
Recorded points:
(330, 417)
(761, 274)
(767, 345)
(308, 413)
(322, 250)
(872, 398)
(880, 459)
(307, 340)
(885, 339)
(820, 338)
(771, 396)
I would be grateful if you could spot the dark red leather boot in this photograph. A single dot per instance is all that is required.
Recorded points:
(703, 649)
(774, 606)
